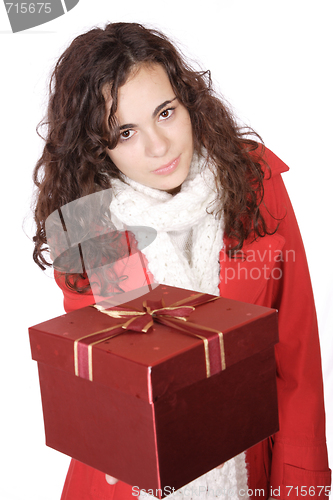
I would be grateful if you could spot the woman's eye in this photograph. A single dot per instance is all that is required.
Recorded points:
(127, 134)
(167, 113)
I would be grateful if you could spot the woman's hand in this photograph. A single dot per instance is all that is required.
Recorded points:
(110, 479)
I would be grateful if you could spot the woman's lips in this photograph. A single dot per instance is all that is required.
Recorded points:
(167, 169)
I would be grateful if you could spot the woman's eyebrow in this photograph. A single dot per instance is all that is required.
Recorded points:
(155, 113)
(161, 106)
(127, 125)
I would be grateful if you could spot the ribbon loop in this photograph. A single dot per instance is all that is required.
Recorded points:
(174, 316)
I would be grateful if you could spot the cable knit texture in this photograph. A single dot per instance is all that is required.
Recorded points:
(184, 254)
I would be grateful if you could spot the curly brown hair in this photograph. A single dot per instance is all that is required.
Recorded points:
(74, 162)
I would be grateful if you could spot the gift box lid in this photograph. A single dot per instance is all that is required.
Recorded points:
(166, 358)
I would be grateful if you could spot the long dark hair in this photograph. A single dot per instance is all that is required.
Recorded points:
(74, 162)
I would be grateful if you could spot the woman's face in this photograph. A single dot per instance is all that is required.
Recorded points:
(155, 147)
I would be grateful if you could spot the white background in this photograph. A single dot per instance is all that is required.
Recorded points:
(272, 59)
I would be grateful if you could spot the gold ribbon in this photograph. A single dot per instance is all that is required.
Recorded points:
(174, 316)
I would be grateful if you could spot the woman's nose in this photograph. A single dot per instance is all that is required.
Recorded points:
(157, 144)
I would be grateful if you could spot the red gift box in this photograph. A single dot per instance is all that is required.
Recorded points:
(161, 408)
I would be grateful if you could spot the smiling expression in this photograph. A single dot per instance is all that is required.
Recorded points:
(155, 146)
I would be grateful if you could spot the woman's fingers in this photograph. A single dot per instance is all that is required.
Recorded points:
(110, 479)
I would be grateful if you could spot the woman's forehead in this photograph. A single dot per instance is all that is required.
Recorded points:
(146, 88)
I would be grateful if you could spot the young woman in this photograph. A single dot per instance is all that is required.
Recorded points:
(130, 119)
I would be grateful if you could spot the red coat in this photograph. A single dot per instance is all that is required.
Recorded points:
(272, 272)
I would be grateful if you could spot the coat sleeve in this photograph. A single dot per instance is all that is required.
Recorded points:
(132, 269)
(299, 460)
(299, 466)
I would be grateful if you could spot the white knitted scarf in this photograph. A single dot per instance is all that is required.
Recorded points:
(185, 215)
(136, 205)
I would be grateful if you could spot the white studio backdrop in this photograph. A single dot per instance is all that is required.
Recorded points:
(271, 60)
